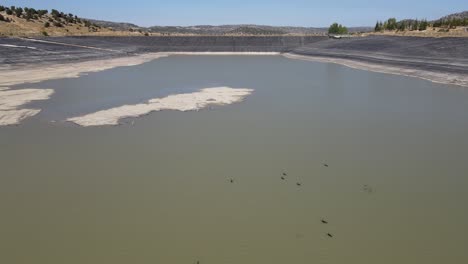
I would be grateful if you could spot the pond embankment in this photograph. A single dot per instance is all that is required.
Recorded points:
(442, 60)
(26, 60)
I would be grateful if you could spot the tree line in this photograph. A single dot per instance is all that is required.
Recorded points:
(56, 18)
(27, 13)
(414, 24)
(451, 22)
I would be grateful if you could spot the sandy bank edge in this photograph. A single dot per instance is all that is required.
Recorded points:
(11, 101)
(436, 77)
(222, 53)
(180, 102)
(39, 73)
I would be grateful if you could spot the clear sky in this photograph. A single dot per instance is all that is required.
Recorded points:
(272, 12)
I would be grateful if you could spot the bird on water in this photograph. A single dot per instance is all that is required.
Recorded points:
(324, 221)
(329, 235)
(325, 164)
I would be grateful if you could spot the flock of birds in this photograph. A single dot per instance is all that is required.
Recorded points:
(283, 177)
(366, 188)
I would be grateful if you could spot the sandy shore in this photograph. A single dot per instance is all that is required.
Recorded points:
(222, 53)
(38, 73)
(180, 102)
(11, 101)
(437, 77)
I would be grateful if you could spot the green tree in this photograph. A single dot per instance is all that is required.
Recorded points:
(28, 16)
(2, 18)
(391, 24)
(377, 27)
(2, 8)
(46, 24)
(416, 25)
(402, 26)
(423, 25)
(55, 13)
(336, 28)
(9, 12)
(19, 11)
(42, 12)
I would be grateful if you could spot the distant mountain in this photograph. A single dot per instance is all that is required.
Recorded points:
(114, 25)
(461, 16)
(241, 29)
(25, 21)
(247, 29)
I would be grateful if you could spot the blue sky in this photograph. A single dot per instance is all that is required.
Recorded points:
(272, 12)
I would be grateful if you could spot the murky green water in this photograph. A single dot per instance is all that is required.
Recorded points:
(159, 191)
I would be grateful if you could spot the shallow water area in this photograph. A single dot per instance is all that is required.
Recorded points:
(157, 189)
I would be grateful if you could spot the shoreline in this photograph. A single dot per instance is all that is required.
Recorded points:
(12, 100)
(35, 73)
(180, 102)
(41, 72)
(432, 76)
(222, 53)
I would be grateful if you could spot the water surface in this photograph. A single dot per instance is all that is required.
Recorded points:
(159, 191)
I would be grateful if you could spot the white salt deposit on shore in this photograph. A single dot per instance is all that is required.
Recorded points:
(11, 103)
(180, 102)
(40, 73)
(16, 46)
(33, 74)
(11, 100)
(437, 77)
(222, 53)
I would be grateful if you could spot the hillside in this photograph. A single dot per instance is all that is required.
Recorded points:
(454, 25)
(118, 26)
(246, 30)
(461, 16)
(17, 21)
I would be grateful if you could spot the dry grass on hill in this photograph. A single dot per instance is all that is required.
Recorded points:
(19, 26)
(429, 32)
